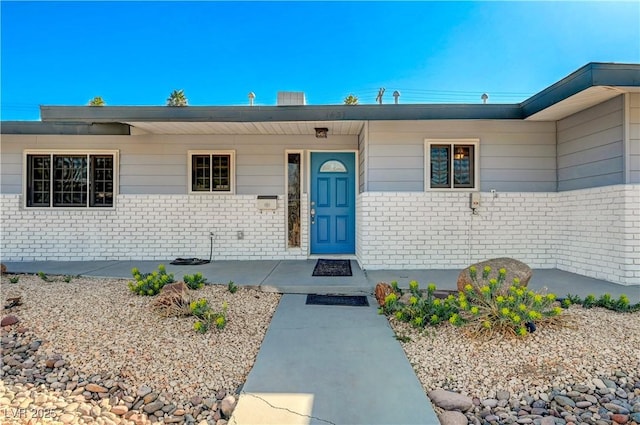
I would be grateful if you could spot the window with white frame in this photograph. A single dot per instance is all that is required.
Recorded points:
(451, 164)
(212, 172)
(70, 179)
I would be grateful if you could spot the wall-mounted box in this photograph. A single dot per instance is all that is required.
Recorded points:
(267, 202)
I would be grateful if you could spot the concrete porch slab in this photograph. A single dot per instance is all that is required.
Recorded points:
(294, 276)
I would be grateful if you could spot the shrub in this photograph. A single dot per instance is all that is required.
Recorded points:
(43, 276)
(622, 304)
(207, 317)
(232, 287)
(173, 303)
(422, 309)
(14, 279)
(488, 306)
(150, 283)
(194, 281)
(482, 309)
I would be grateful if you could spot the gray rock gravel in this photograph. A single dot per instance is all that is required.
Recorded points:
(89, 351)
(586, 373)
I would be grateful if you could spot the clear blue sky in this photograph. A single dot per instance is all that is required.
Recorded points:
(135, 53)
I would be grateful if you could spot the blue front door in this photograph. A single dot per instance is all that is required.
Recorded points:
(333, 198)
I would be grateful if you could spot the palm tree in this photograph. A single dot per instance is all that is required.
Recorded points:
(97, 101)
(177, 98)
(351, 100)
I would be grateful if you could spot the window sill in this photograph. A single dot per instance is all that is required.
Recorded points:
(210, 193)
(112, 208)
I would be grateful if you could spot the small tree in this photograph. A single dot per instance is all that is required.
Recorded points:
(351, 100)
(97, 101)
(177, 98)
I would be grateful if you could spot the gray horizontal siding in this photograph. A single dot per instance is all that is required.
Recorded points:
(151, 164)
(11, 166)
(594, 181)
(590, 147)
(514, 156)
(602, 167)
(361, 159)
(520, 186)
(634, 137)
(409, 175)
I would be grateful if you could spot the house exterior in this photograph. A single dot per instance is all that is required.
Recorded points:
(554, 181)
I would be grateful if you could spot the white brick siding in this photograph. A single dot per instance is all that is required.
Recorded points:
(593, 232)
(437, 229)
(150, 227)
(598, 233)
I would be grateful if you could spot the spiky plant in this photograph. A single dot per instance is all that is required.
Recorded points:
(173, 303)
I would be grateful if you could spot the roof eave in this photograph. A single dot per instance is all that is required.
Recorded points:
(66, 128)
(590, 75)
(277, 113)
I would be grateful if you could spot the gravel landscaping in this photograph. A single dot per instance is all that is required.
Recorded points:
(87, 332)
(595, 361)
(90, 351)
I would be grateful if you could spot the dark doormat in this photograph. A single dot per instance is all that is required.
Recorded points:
(346, 300)
(189, 262)
(332, 268)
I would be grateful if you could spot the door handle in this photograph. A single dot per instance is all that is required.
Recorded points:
(313, 215)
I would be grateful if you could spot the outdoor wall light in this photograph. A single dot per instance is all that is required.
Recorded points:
(321, 132)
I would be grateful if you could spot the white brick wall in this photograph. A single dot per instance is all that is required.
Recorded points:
(438, 230)
(150, 227)
(593, 232)
(598, 233)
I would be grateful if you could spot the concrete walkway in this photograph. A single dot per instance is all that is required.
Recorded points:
(331, 365)
(294, 276)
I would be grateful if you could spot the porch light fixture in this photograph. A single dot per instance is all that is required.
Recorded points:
(321, 132)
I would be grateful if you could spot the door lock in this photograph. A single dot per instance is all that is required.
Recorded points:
(313, 215)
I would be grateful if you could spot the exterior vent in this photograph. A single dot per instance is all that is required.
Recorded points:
(290, 98)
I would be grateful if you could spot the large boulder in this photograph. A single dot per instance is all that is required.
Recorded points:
(514, 269)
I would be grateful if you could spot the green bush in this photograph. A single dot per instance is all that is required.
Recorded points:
(622, 304)
(232, 287)
(150, 283)
(489, 306)
(194, 281)
(207, 317)
(14, 279)
(422, 308)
